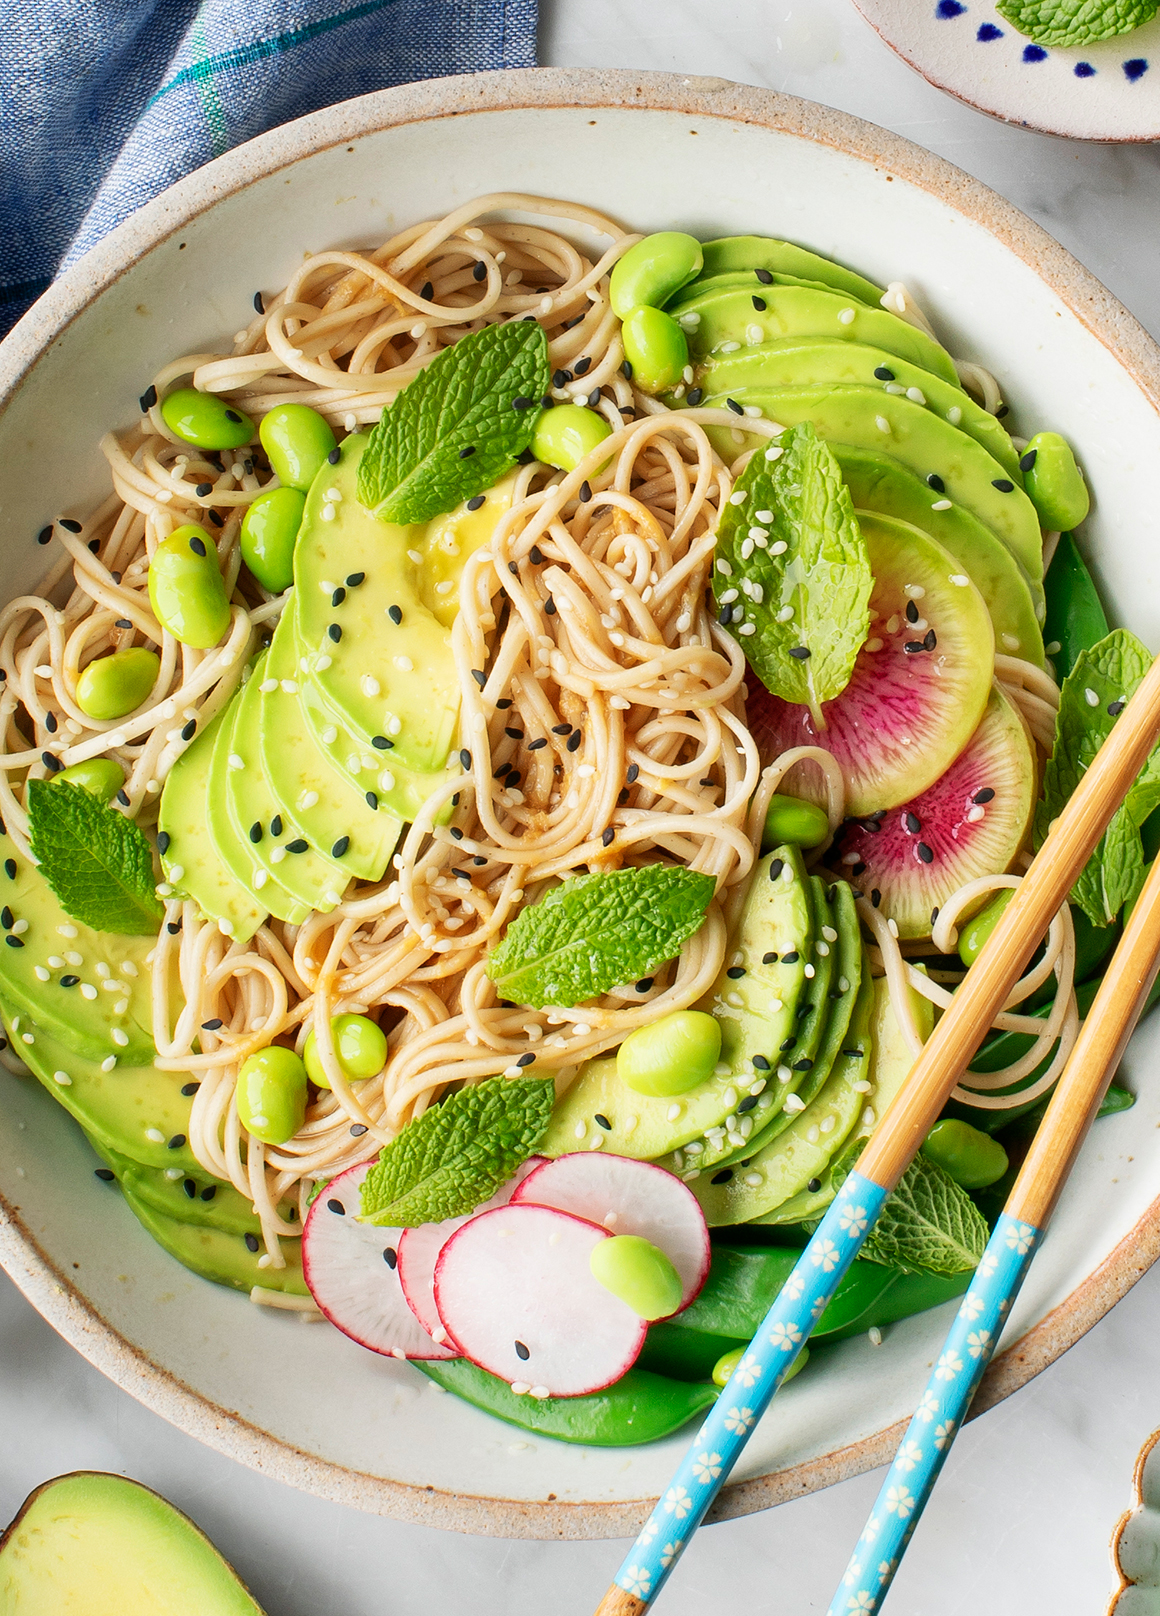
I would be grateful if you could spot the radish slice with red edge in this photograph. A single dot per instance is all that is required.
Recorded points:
(351, 1271)
(628, 1197)
(516, 1294)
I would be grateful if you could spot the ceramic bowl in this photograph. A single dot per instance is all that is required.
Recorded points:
(1136, 1540)
(301, 1402)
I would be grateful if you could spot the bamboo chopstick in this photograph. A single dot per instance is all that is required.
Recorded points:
(978, 1325)
(839, 1237)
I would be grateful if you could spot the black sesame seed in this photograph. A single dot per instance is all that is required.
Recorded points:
(561, 729)
(177, 1141)
(197, 546)
(13, 942)
(390, 1255)
(854, 1054)
(723, 1176)
(105, 1174)
(645, 984)
(10, 868)
(256, 832)
(212, 1026)
(632, 773)
(1004, 409)
(759, 304)
(395, 613)
(786, 1045)
(911, 612)
(913, 823)
(479, 271)
(1003, 484)
(173, 927)
(382, 743)
(522, 403)
(338, 597)
(513, 569)
(747, 1103)
(6, 918)
(44, 535)
(148, 398)
(298, 845)
(259, 306)
(218, 521)
(803, 1065)
(735, 973)
(188, 731)
(526, 1060)
(575, 741)
(550, 607)
(814, 1185)
(522, 1352)
(536, 556)
(934, 914)
(190, 1188)
(123, 622)
(933, 480)
(585, 492)
(732, 404)
(874, 826)
(353, 579)
(340, 847)
(883, 373)
(209, 1192)
(336, 1206)
(357, 1129)
(930, 640)
(764, 276)
(479, 676)
(464, 758)
(1115, 708)
(696, 394)
(985, 795)
(800, 652)
(775, 869)
(770, 959)
(875, 897)
(760, 1064)
(602, 1121)
(123, 797)
(476, 503)
(911, 647)
(203, 489)
(190, 1089)
(335, 632)
(791, 958)
(426, 291)
(372, 799)
(70, 526)
(51, 762)
(251, 1242)
(334, 456)
(1028, 460)
(466, 454)
(858, 869)
(540, 741)
(925, 853)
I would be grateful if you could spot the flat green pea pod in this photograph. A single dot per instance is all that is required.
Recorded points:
(790, 819)
(972, 1158)
(639, 1407)
(297, 441)
(724, 1367)
(361, 1047)
(655, 347)
(104, 777)
(639, 1273)
(1054, 482)
(975, 933)
(1075, 618)
(672, 1055)
(206, 419)
(269, 534)
(649, 273)
(187, 590)
(115, 685)
(565, 434)
(271, 1094)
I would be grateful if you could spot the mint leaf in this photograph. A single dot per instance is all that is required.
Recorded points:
(597, 932)
(928, 1225)
(455, 430)
(1075, 22)
(458, 1153)
(99, 864)
(1094, 693)
(814, 566)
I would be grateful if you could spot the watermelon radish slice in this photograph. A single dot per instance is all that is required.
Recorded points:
(628, 1197)
(971, 822)
(351, 1271)
(919, 685)
(516, 1294)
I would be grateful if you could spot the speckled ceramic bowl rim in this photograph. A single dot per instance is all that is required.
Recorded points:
(1127, 1517)
(50, 1290)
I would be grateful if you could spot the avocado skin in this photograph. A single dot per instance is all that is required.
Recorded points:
(92, 1544)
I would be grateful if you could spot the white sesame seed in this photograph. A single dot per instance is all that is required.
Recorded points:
(779, 548)
(729, 347)
(236, 762)
(728, 597)
(120, 1037)
(66, 931)
(63, 1079)
(72, 956)
(1091, 698)
(88, 991)
(155, 1136)
(259, 879)
(754, 1179)
(861, 1088)
(774, 454)
(754, 334)
(882, 423)
(916, 394)
(673, 1112)
(415, 556)
(875, 1335)
(869, 1116)
(595, 1144)
(56, 962)
(738, 497)
(954, 415)
(580, 1130)
(976, 814)
(794, 1102)
(892, 927)
(894, 387)
(783, 1074)
(370, 685)
(829, 934)
(785, 614)
(277, 854)
(20, 927)
(724, 568)
(822, 948)
(846, 317)
(404, 664)
(329, 735)
(1053, 647)
(42, 975)
(810, 972)
(28, 1038)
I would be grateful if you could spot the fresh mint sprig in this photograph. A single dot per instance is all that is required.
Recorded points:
(99, 864)
(929, 1224)
(459, 426)
(1075, 22)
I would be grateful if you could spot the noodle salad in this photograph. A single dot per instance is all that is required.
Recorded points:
(497, 795)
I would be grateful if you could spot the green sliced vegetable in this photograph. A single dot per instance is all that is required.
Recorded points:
(1075, 618)
(98, 863)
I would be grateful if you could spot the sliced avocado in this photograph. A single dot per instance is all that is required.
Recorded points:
(731, 253)
(757, 1012)
(919, 439)
(731, 316)
(183, 818)
(224, 1258)
(193, 1197)
(303, 781)
(91, 1544)
(55, 971)
(732, 280)
(794, 363)
(136, 1111)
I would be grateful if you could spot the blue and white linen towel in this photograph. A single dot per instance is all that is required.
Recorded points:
(103, 103)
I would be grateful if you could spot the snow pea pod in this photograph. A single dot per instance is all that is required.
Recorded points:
(1075, 618)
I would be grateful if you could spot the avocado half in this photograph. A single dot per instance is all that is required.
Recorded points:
(93, 1544)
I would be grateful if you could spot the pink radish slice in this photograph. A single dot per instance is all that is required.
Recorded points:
(419, 1250)
(628, 1197)
(516, 1293)
(350, 1270)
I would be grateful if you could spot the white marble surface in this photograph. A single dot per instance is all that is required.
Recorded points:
(1023, 1514)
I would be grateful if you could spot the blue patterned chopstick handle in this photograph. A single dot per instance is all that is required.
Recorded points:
(783, 1332)
(911, 1478)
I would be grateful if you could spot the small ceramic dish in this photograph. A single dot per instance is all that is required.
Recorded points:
(1109, 91)
(301, 1402)
(1136, 1540)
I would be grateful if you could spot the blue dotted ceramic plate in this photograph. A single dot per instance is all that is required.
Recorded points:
(1098, 92)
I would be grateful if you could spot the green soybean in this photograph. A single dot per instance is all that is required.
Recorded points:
(187, 590)
(269, 533)
(653, 270)
(297, 441)
(104, 777)
(672, 1055)
(639, 1273)
(789, 819)
(271, 1094)
(972, 1158)
(1054, 482)
(361, 1047)
(115, 685)
(725, 1365)
(206, 419)
(975, 933)
(655, 347)
(564, 435)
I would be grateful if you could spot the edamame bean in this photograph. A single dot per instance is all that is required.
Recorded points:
(187, 590)
(639, 1273)
(725, 1365)
(114, 685)
(655, 347)
(360, 1045)
(104, 777)
(564, 435)
(1054, 482)
(269, 533)
(790, 819)
(975, 933)
(650, 272)
(672, 1055)
(972, 1158)
(206, 419)
(271, 1094)
(297, 440)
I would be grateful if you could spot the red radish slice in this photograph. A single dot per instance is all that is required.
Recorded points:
(419, 1251)
(516, 1294)
(628, 1197)
(350, 1269)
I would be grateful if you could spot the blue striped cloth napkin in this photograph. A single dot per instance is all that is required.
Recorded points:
(103, 103)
